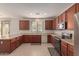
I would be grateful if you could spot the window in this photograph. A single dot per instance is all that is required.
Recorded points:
(37, 25)
(4, 29)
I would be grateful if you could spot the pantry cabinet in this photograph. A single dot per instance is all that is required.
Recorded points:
(24, 25)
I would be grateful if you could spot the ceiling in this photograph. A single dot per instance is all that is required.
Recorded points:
(32, 10)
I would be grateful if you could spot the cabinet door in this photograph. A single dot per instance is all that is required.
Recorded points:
(54, 24)
(70, 50)
(63, 48)
(52, 41)
(4, 46)
(48, 24)
(13, 44)
(60, 18)
(70, 17)
(36, 39)
(49, 38)
(27, 38)
(21, 39)
(63, 16)
(24, 24)
(77, 7)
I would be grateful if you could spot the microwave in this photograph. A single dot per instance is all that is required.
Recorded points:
(62, 25)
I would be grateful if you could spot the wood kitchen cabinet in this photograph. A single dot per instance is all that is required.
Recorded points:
(70, 50)
(67, 49)
(13, 44)
(57, 22)
(27, 39)
(8, 45)
(70, 17)
(21, 39)
(77, 7)
(49, 38)
(32, 38)
(63, 17)
(63, 48)
(4, 46)
(54, 24)
(48, 24)
(60, 18)
(24, 25)
(53, 41)
(36, 39)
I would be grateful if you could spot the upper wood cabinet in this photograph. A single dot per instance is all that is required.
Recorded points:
(48, 24)
(62, 17)
(54, 24)
(70, 17)
(77, 7)
(24, 24)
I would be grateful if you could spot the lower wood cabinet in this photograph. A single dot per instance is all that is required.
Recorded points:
(67, 49)
(4, 46)
(16, 42)
(8, 45)
(13, 45)
(32, 39)
(70, 50)
(63, 48)
(49, 38)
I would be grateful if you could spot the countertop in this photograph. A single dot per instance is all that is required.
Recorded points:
(10, 37)
(69, 41)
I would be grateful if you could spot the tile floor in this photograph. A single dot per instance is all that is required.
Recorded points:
(31, 50)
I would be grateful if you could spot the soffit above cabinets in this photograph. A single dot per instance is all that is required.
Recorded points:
(32, 10)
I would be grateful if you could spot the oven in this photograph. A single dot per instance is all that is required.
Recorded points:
(57, 44)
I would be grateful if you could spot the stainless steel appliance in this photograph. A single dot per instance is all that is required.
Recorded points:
(66, 35)
(76, 33)
(62, 25)
(57, 44)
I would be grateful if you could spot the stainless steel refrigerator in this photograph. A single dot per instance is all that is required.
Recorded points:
(76, 34)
